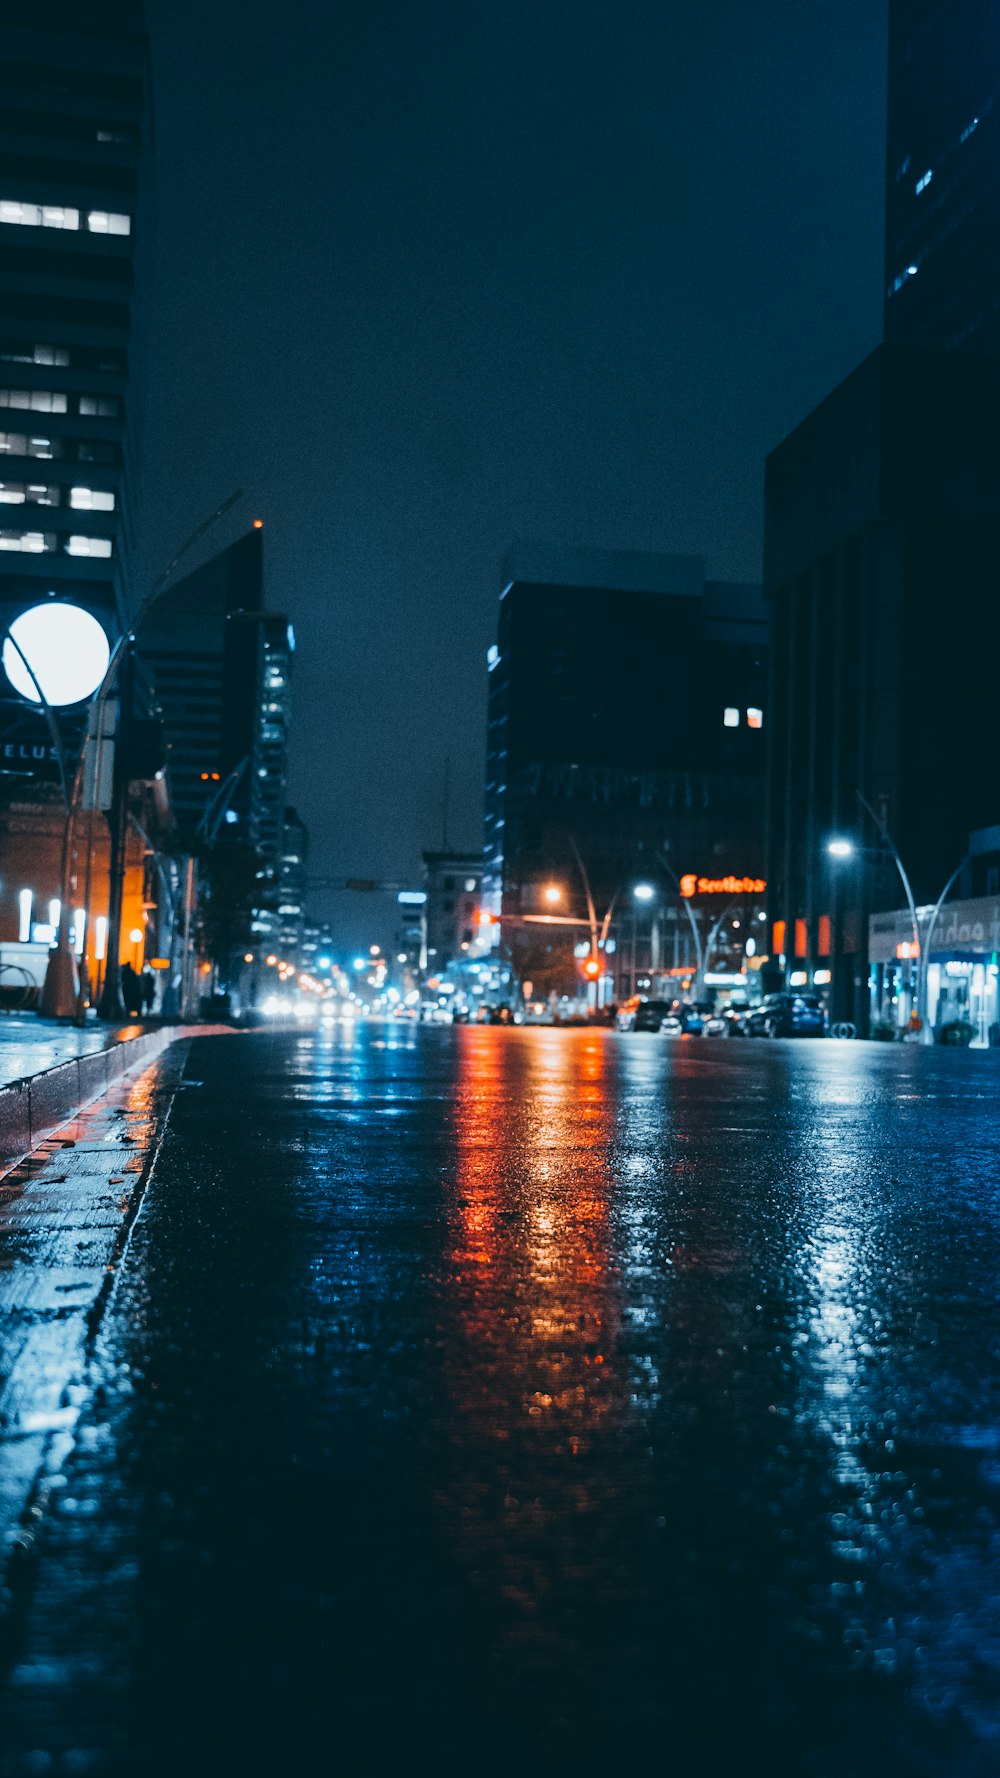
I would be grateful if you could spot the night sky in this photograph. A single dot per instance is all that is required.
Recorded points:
(432, 278)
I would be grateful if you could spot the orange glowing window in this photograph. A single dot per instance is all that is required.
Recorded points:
(778, 938)
(823, 937)
(801, 939)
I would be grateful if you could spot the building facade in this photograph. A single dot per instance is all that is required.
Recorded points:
(626, 731)
(221, 669)
(292, 888)
(74, 154)
(452, 884)
(942, 266)
(882, 549)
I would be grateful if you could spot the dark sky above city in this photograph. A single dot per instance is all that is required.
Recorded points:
(432, 278)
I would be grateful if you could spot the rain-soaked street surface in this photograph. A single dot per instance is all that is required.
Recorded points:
(515, 1401)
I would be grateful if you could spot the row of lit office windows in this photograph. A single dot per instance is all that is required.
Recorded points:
(42, 494)
(46, 450)
(54, 401)
(731, 717)
(107, 358)
(96, 222)
(40, 543)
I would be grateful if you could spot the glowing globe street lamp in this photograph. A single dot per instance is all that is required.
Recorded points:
(57, 655)
(68, 651)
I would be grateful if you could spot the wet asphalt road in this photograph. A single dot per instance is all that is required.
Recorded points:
(514, 1401)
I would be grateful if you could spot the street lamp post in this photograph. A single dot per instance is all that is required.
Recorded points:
(699, 950)
(843, 849)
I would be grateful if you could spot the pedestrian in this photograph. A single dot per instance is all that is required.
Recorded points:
(147, 983)
(131, 990)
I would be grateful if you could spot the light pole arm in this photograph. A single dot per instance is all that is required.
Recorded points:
(924, 957)
(591, 910)
(904, 879)
(688, 909)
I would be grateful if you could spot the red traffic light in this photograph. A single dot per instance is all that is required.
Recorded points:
(592, 967)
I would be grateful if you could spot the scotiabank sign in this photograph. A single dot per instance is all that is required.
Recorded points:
(692, 885)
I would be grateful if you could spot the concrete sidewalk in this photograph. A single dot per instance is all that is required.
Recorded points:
(29, 1045)
(47, 1075)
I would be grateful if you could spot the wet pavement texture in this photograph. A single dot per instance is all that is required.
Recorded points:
(515, 1401)
(28, 1044)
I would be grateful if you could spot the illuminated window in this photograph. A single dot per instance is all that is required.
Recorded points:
(924, 182)
(88, 546)
(108, 222)
(18, 444)
(30, 543)
(778, 938)
(14, 353)
(36, 401)
(104, 407)
(730, 717)
(34, 493)
(801, 939)
(38, 215)
(92, 500)
(823, 936)
(755, 718)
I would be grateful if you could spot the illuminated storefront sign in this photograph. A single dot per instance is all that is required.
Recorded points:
(694, 885)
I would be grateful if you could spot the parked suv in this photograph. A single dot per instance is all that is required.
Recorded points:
(787, 1015)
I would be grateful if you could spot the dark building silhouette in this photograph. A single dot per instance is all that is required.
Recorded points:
(74, 143)
(882, 540)
(184, 645)
(882, 556)
(942, 266)
(627, 713)
(221, 668)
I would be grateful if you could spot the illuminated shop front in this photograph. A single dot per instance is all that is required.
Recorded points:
(963, 967)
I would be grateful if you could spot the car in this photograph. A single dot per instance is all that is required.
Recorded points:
(787, 1015)
(730, 1021)
(650, 1014)
(687, 1017)
(625, 1016)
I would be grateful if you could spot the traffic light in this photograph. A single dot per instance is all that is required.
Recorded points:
(591, 968)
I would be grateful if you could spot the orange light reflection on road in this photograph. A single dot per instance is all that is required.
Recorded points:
(530, 1315)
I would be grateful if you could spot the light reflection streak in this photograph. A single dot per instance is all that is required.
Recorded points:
(532, 1322)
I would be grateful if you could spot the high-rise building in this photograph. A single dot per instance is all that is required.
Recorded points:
(221, 667)
(882, 547)
(882, 552)
(625, 727)
(292, 887)
(942, 268)
(74, 136)
(184, 645)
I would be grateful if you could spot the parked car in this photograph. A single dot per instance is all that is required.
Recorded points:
(625, 1016)
(687, 1017)
(650, 1014)
(787, 1015)
(729, 1021)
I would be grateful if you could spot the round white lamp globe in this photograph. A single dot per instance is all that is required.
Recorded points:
(68, 651)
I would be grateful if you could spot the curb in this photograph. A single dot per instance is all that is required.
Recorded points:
(31, 1108)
